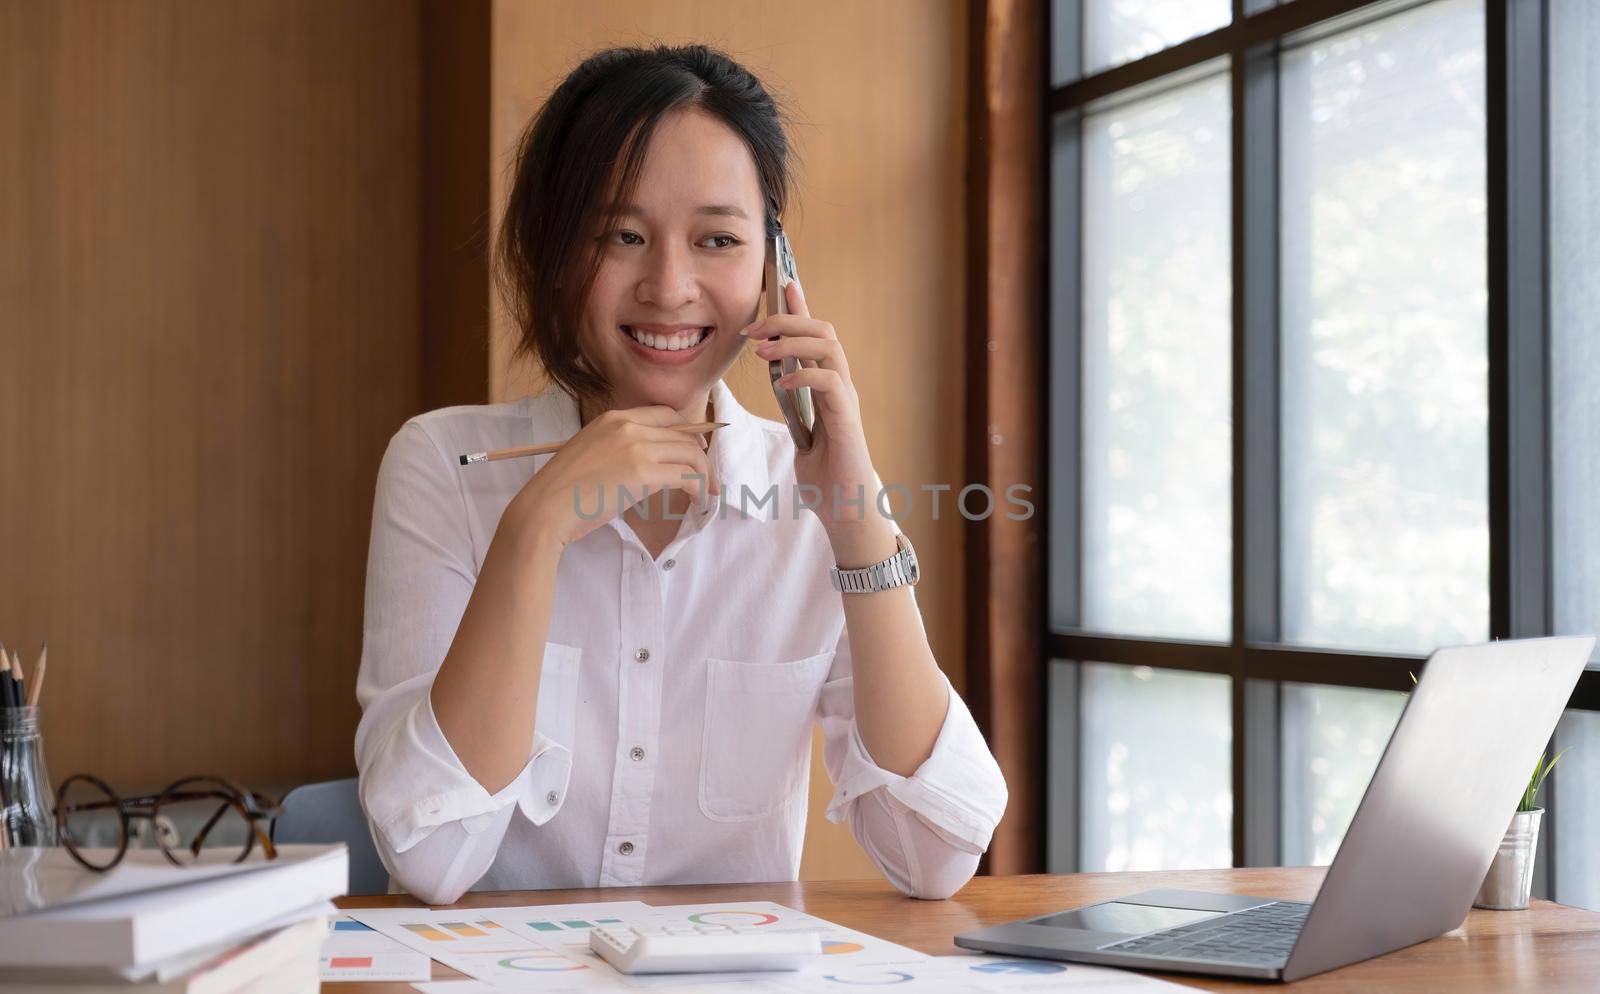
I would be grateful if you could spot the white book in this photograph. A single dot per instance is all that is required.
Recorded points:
(281, 960)
(47, 878)
(146, 927)
(163, 970)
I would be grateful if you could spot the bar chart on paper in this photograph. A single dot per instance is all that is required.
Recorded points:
(503, 946)
(354, 951)
(569, 924)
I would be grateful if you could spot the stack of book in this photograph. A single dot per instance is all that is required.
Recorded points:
(209, 928)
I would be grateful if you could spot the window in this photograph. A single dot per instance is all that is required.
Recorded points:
(1156, 395)
(1332, 740)
(1576, 811)
(1324, 395)
(1116, 31)
(1155, 762)
(1575, 312)
(1385, 496)
(1575, 421)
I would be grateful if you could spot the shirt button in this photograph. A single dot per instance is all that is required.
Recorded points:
(643, 655)
(669, 564)
(551, 798)
(637, 754)
(625, 848)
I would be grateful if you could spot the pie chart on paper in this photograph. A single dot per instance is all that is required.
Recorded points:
(541, 962)
(1014, 966)
(885, 979)
(734, 918)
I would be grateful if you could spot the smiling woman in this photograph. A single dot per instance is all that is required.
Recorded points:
(699, 130)
(555, 697)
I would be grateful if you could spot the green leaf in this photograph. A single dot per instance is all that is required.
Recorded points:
(1541, 771)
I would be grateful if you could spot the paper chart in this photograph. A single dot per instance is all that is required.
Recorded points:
(934, 975)
(981, 975)
(842, 947)
(499, 947)
(354, 951)
(558, 961)
(845, 951)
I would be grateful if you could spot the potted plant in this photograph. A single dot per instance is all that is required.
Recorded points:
(1509, 883)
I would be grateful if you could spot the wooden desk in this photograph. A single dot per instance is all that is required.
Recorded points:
(1548, 948)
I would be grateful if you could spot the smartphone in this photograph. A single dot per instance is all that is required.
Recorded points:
(798, 412)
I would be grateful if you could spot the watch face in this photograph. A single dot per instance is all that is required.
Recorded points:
(908, 558)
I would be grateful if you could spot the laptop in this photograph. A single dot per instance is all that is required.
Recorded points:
(1414, 857)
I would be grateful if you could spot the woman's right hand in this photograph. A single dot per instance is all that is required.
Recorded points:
(635, 448)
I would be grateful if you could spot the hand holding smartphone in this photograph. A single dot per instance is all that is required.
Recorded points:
(798, 412)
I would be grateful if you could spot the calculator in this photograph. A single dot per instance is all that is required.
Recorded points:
(703, 948)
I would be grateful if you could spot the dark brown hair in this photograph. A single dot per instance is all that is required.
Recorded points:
(589, 140)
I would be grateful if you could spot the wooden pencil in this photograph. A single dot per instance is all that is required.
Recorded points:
(38, 676)
(21, 687)
(472, 458)
(7, 688)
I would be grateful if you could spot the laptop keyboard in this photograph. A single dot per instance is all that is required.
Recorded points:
(1261, 936)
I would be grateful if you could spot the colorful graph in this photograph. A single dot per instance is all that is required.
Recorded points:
(465, 930)
(428, 932)
(354, 950)
(886, 978)
(733, 918)
(833, 947)
(1019, 966)
(541, 963)
(567, 924)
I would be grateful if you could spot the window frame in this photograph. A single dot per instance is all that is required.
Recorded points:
(1519, 455)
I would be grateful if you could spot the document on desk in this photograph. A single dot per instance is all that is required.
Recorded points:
(850, 959)
(935, 975)
(983, 973)
(843, 949)
(355, 951)
(511, 947)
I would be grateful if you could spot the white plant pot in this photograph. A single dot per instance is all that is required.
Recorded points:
(1509, 883)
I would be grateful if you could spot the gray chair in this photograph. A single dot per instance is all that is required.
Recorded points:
(331, 812)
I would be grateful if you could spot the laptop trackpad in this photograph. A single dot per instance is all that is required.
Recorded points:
(1128, 919)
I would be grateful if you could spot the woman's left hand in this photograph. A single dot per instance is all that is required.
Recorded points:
(838, 461)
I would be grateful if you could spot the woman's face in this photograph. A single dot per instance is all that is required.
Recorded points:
(680, 267)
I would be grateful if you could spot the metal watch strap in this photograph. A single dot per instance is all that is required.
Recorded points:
(899, 570)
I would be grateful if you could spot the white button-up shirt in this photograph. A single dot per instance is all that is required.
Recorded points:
(676, 698)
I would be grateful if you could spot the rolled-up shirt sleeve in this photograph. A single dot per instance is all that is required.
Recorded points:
(436, 827)
(925, 832)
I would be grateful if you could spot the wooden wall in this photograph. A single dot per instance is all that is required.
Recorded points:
(209, 327)
(879, 91)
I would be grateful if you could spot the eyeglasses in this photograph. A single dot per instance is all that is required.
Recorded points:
(194, 816)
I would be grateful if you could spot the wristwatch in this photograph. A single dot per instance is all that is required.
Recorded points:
(899, 570)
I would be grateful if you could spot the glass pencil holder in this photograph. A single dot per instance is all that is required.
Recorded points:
(27, 816)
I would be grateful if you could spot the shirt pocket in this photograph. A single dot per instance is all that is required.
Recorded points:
(556, 713)
(755, 757)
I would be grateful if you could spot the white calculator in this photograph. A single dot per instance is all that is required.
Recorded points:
(703, 948)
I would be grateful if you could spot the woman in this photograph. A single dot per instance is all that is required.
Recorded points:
(563, 689)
